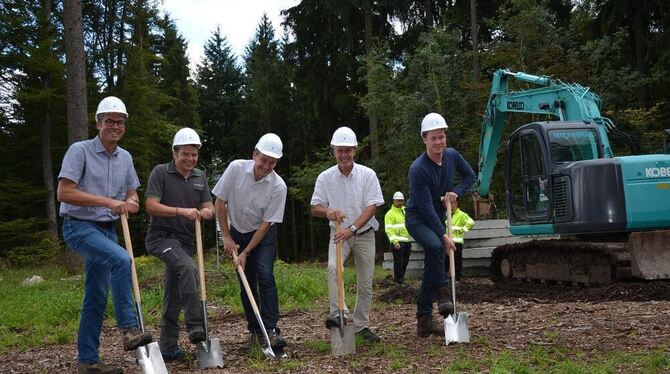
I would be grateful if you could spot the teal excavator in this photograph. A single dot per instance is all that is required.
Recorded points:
(612, 213)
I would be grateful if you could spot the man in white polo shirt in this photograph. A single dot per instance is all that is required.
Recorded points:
(350, 193)
(252, 195)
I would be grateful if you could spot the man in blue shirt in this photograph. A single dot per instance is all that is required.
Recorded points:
(98, 183)
(431, 177)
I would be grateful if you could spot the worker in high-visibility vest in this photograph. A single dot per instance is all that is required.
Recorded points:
(460, 224)
(401, 246)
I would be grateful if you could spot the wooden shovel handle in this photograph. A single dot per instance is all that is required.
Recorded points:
(243, 276)
(129, 248)
(339, 270)
(201, 263)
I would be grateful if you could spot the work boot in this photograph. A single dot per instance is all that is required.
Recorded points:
(444, 305)
(368, 335)
(426, 326)
(133, 337)
(196, 335)
(97, 368)
(277, 341)
(177, 354)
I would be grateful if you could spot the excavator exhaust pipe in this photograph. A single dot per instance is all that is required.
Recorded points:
(650, 254)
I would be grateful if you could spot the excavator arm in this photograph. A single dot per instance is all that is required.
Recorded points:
(564, 101)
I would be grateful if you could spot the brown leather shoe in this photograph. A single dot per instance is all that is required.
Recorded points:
(98, 368)
(133, 337)
(426, 326)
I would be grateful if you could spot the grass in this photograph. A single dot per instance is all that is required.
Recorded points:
(48, 313)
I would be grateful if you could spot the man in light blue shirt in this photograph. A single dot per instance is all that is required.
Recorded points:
(98, 183)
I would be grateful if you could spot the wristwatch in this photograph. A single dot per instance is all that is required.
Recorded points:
(353, 228)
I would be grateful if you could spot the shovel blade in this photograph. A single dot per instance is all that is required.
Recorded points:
(456, 328)
(343, 340)
(209, 354)
(150, 359)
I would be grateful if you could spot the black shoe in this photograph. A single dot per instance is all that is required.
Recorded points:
(177, 354)
(277, 341)
(97, 368)
(254, 339)
(368, 335)
(133, 337)
(332, 321)
(197, 335)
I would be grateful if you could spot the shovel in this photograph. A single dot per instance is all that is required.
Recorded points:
(455, 325)
(148, 356)
(342, 338)
(209, 350)
(267, 350)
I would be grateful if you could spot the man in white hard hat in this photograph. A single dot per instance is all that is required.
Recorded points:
(252, 196)
(401, 242)
(431, 177)
(350, 193)
(177, 194)
(98, 183)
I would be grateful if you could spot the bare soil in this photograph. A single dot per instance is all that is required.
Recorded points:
(622, 317)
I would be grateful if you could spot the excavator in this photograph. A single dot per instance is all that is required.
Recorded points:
(611, 213)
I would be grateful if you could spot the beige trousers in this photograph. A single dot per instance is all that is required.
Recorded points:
(363, 248)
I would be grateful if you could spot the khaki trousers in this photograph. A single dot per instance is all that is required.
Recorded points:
(363, 248)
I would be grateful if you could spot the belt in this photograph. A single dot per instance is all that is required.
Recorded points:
(364, 231)
(103, 224)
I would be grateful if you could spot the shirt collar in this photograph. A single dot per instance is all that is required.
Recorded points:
(99, 147)
(249, 169)
(351, 173)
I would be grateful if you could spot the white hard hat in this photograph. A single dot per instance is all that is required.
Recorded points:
(270, 145)
(111, 104)
(186, 136)
(433, 121)
(398, 196)
(344, 137)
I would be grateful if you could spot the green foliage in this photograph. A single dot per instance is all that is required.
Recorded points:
(38, 254)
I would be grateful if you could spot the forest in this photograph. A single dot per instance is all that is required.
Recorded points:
(375, 66)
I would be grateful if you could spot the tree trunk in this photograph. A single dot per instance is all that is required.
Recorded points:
(374, 133)
(77, 121)
(428, 21)
(475, 40)
(640, 36)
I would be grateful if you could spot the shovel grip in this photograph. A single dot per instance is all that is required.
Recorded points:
(201, 264)
(339, 270)
(129, 248)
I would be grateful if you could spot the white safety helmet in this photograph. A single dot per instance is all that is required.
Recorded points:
(186, 136)
(111, 104)
(344, 137)
(270, 145)
(433, 121)
(398, 196)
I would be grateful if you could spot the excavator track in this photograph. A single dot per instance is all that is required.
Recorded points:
(567, 262)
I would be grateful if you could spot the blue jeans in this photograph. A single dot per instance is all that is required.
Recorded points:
(105, 264)
(259, 271)
(434, 275)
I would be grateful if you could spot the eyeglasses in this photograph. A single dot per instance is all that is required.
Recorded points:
(111, 123)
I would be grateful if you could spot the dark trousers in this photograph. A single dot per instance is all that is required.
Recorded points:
(400, 260)
(458, 259)
(259, 271)
(181, 289)
(433, 269)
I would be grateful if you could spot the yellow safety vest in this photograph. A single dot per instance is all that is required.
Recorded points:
(394, 225)
(460, 224)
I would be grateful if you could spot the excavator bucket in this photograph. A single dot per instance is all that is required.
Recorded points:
(650, 254)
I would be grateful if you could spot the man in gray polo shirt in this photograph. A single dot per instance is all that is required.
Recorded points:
(96, 184)
(252, 195)
(177, 194)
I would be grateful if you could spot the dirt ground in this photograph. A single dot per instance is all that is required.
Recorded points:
(622, 317)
